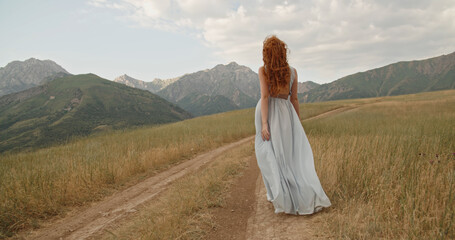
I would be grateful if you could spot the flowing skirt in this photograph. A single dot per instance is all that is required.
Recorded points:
(286, 162)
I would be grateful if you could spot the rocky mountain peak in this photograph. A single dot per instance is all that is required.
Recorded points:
(123, 77)
(153, 86)
(32, 59)
(20, 75)
(230, 85)
(233, 64)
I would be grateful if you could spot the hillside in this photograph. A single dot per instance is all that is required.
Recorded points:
(153, 86)
(77, 106)
(200, 104)
(233, 82)
(304, 87)
(20, 75)
(395, 79)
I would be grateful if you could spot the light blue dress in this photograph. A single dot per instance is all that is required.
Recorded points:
(286, 161)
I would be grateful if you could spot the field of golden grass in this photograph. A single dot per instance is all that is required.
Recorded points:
(388, 166)
(38, 185)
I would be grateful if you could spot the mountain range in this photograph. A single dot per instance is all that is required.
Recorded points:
(405, 77)
(222, 88)
(77, 105)
(232, 86)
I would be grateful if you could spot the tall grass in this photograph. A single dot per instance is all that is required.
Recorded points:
(41, 184)
(377, 163)
(308, 110)
(389, 168)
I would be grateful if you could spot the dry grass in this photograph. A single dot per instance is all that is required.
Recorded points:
(377, 163)
(38, 185)
(389, 168)
(308, 110)
(182, 212)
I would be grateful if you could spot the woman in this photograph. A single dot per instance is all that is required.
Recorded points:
(283, 152)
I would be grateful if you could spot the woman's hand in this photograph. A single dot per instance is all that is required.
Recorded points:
(265, 132)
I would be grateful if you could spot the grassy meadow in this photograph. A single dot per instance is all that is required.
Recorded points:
(389, 168)
(37, 185)
(387, 164)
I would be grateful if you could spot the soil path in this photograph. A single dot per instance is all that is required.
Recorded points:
(99, 216)
(265, 224)
(232, 219)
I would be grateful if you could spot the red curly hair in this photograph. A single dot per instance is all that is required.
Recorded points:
(276, 66)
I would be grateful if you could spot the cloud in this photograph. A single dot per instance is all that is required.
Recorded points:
(327, 38)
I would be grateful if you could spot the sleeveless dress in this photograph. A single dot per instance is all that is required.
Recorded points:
(286, 161)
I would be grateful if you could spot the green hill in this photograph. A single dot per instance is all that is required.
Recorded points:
(77, 106)
(395, 79)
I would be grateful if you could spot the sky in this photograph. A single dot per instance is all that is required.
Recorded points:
(147, 39)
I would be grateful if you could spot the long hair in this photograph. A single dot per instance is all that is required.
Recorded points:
(276, 66)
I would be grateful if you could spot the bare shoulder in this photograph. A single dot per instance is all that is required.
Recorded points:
(261, 70)
(295, 70)
(295, 73)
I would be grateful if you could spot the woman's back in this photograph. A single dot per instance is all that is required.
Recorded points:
(285, 91)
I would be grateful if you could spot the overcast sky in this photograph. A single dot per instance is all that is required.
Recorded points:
(149, 39)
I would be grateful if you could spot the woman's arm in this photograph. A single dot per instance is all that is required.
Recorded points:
(294, 98)
(264, 104)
